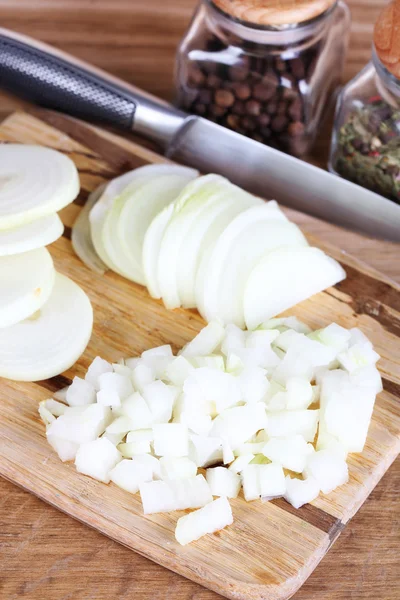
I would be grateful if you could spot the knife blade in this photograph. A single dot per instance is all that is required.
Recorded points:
(56, 80)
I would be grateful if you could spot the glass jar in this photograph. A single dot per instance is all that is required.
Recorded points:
(269, 82)
(365, 144)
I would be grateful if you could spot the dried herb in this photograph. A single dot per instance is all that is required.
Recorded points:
(368, 148)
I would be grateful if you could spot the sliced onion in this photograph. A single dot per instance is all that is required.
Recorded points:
(81, 237)
(223, 274)
(42, 232)
(143, 204)
(26, 282)
(203, 235)
(151, 249)
(306, 270)
(105, 215)
(34, 182)
(53, 340)
(196, 199)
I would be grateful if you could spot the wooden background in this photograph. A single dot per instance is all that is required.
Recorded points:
(45, 555)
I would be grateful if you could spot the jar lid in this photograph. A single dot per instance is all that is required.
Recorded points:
(273, 13)
(387, 37)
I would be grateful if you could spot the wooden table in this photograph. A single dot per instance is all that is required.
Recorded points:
(45, 555)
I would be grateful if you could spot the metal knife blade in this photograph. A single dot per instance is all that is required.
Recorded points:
(295, 183)
(59, 81)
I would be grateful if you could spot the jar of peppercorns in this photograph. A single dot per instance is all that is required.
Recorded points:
(265, 68)
(366, 140)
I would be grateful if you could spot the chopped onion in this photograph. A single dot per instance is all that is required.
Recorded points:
(176, 494)
(38, 233)
(35, 182)
(53, 340)
(192, 416)
(27, 281)
(212, 517)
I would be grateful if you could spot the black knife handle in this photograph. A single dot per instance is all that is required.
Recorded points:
(56, 80)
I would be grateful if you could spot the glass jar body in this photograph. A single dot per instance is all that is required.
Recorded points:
(273, 86)
(365, 144)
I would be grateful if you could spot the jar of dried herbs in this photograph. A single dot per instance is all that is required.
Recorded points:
(264, 68)
(366, 139)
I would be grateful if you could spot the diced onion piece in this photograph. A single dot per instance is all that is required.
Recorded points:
(129, 474)
(115, 438)
(36, 181)
(205, 342)
(177, 494)
(212, 517)
(80, 393)
(290, 452)
(239, 423)
(241, 463)
(39, 233)
(328, 469)
(178, 370)
(160, 399)
(52, 341)
(109, 398)
(346, 409)
(97, 459)
(301, 491)
(171, 439)
(65, 449)
(44, 413)
(177, 467)
(308, 270)
(116, 383)
(205, 451)
(136, 409)
(61, 394)
(223, 482)
(287, 423)
(272, 481)
(120, 425)
(56, 408)
(142, 375)
(253, 384)
(80, 424)
(27, 281)
(266, 480)
(97, 368)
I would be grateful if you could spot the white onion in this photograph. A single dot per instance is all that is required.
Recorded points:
(257, 230)
(34, 181)
(26, 283)
(210, 518)
(38, 233)
(306, 270)
(53, 340)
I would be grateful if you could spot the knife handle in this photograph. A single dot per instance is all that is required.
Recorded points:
(56, 80)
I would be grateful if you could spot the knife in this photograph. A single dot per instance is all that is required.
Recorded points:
(56, 80)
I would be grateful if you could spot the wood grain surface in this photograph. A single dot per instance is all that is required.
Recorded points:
(46, 555)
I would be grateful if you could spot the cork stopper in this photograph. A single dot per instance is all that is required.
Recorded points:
(387, 37)
(273, 12)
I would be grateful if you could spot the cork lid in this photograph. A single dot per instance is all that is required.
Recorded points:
(387, 37)
(273, 12)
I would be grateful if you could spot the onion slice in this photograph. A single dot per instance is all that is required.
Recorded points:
(285, 277)
(51, 341)
(26, 281)
(81, 237)
(34, 182)
(151, 249)
(42, 232)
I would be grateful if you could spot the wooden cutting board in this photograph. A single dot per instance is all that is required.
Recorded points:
(271, 548)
